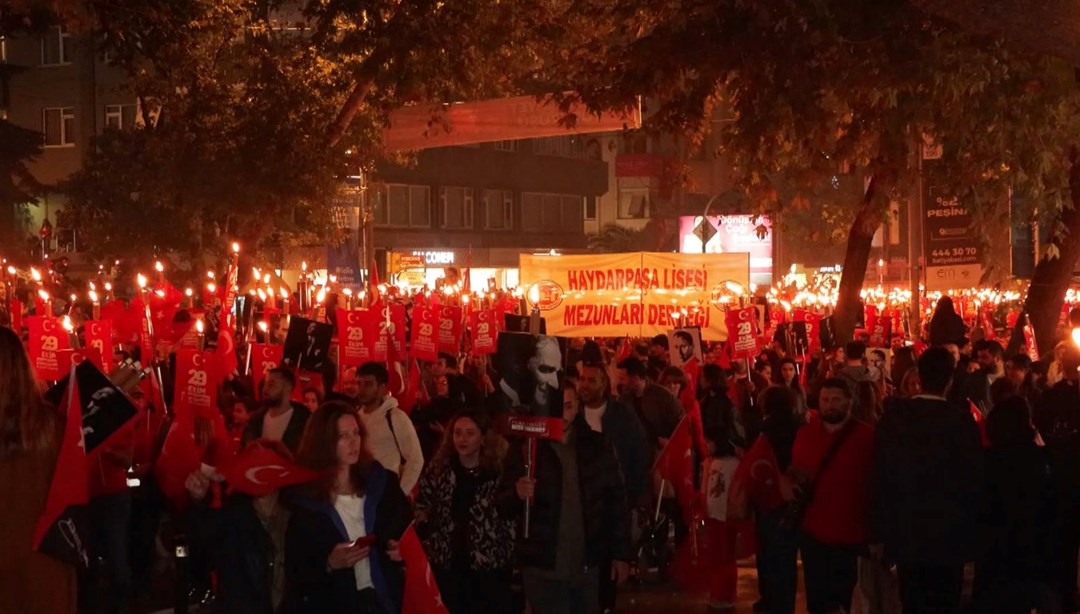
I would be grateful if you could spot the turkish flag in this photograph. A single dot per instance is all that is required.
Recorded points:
(391, 329)
(47, 339)
(58, 532)
(742, 338)
(483, 326)
(226, 351)
(449, 329)
(424, 333)
(422, 594)
(259, 471)
(71, 358)
(16, 315)
(676, 465)
(407, 399)
(179, 457)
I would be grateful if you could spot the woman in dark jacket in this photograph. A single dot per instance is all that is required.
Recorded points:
(1019, 516)
(470, 545)
(341, 549)
(946, 326)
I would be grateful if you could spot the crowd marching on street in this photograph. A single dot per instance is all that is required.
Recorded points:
(458, 485)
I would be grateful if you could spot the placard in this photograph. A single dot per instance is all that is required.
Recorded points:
(197, 379)
(450, 329)
(742, 338)
(482, 327)
(425, 321)
(47, 337)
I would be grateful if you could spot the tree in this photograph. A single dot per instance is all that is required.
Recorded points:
(254, 111)
(18, 187)
(816, 92)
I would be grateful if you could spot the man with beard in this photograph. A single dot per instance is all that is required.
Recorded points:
(580, 521)
(927, 479)
(282, 419)
(830, 467)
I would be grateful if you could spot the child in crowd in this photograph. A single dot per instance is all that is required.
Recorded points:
(718, 470)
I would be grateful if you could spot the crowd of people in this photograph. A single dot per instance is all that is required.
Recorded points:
(885, 473)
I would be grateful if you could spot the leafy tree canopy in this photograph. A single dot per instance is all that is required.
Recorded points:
(811, 92)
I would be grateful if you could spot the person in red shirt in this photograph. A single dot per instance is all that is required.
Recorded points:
(831, 464)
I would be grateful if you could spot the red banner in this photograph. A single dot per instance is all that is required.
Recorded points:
(531, 427)
(484, 328)
(357, 336)
(813, 330)
(742, 338)
(99, 336)
(197, 379)
(879, 328)
(424, 341)
(449, 329)
(47, 338)
(391, 328)
(263, 358)
(16, 315)
(305, 380)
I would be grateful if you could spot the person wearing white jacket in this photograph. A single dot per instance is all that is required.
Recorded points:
(391, 437)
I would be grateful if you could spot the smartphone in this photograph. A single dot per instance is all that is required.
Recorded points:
(365, 541)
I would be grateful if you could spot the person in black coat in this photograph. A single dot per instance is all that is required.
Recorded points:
(1019, 519)
(946, 326)
(1057, 418)
(276, 399)
(926, 482)
(341, 549)
(579, 518)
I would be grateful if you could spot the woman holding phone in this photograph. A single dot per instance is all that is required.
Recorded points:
(341, 550)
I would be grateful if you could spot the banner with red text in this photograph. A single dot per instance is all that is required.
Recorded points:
(638, 294)
(47, 338)
(483, 326)
(197, 376)
(425, 321)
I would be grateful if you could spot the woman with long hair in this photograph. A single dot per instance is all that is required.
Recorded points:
(341, 547)
(789, 377)
(469, 543)
(30, 582)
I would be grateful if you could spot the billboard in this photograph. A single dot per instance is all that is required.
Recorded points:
(731, 234)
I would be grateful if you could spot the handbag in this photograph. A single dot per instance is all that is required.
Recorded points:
(796, 510)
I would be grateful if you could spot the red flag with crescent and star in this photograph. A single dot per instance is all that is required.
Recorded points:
(259, 471)
(57, 532)
(422, 594)
(675, 464)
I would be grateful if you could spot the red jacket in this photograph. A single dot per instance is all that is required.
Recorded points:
(838, 513)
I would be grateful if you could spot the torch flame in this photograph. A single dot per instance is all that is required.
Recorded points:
(11, 270)
(43, 294)
(321, 296)
(160, 268)
(93, 296)
(199, 326)
(188, 292)
(284, 293)
(141, 280)
(211, 287)
(236, 247)
(263, 327)
(66, 323)
(35, 274)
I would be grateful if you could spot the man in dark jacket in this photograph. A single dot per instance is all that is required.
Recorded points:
(282, 419)
(926, 485)
(623, 429)
(1057, 418)
(579, 518)
(658, 409)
